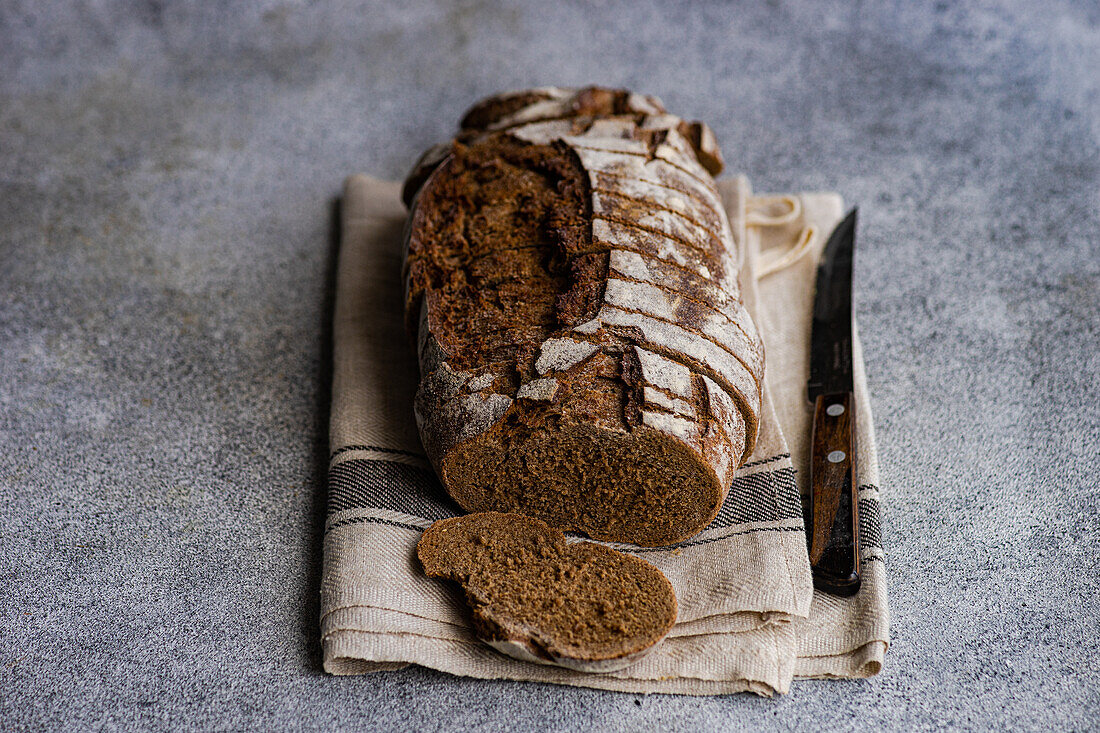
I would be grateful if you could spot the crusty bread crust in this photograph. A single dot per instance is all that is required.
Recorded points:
(572, 284)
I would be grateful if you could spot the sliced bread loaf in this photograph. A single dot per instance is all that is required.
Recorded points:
(585, 354)
(534, 597)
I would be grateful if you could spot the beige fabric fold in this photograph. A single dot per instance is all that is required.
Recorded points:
(749, 619)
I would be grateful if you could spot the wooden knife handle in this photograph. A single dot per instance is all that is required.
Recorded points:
(834, 525)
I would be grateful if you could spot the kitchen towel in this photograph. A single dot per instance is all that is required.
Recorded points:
(749, 619)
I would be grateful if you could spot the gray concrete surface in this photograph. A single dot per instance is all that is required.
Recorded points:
(166, 178)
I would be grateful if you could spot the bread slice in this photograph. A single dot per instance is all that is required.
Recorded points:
(536, 598)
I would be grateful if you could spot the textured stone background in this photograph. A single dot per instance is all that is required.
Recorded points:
(166, 179)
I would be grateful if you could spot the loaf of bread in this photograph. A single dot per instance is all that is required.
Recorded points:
(538, 599)
(572, 284)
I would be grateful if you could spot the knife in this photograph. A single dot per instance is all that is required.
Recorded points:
(834, 520)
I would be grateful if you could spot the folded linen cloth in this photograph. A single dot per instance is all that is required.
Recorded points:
(749, 619)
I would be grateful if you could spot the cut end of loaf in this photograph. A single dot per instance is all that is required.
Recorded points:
(642, 486)
(539, 599)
